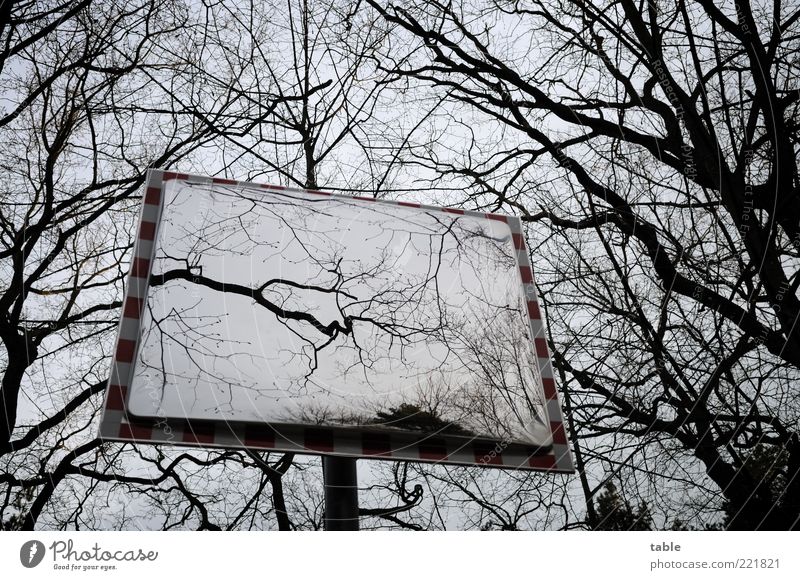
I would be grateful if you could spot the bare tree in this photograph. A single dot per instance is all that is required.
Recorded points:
(84, 117)
(652, 148)
(94, 95)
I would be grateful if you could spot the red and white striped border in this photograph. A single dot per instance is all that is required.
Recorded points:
(118, 425)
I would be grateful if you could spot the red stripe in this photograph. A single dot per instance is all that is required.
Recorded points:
(125, 350)
(140, 267)
(487, 454)
(147, 231)
(549, 387)
(559, 435)
(152, 196)
(519, 241)
(319, 440)
(533, 310)
(267, 186)
(133, 307)
(376, 444)
(409, 204)
(115, 401)
(223, 181)
(259, 436)
(170, 175)
(494, 216)
(527, 275)
(541, 347)
(364, 198)
(433, 449)
(453, 210)
(133, 431)
(198, 432)
(542, 461)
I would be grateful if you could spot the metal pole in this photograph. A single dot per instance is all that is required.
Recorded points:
(341, 493)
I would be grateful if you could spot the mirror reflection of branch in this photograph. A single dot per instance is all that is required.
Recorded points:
(196, 343)
(427, 413)
(357, 314)
(502, 398)
(410, 417)
(332, 329)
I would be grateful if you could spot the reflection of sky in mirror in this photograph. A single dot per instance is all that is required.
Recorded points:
(289, 307)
